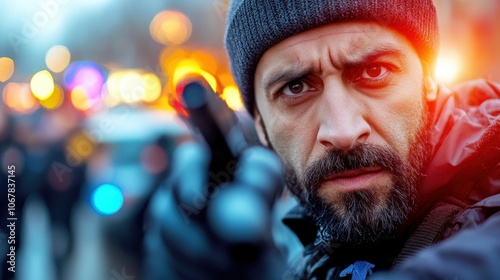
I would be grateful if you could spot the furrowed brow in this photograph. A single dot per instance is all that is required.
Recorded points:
(281, 76)
(385, 51)
(278, 75)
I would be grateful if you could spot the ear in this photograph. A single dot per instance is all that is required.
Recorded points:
(430, 89)
(430, 85)
(259, 126)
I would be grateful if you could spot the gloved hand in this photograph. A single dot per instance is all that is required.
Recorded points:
(205, 227)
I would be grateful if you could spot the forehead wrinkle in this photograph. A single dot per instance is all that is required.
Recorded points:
(295, 41)
(359, 55)
(356, 51)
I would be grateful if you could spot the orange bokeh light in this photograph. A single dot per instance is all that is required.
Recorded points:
(79, 99)
(18, 97)
(170, 27)
(6, 68)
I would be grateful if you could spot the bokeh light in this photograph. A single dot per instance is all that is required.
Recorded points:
(231, 95)
(181, 63)
(152, 87)
(131, 87)
(57, 58)
(79, 99)
(107, 199)
(448, 67)
(111, 91)
(206, 61)
(170, 57)
(18, 97)
(55, 99)
(42, 85)
(88, 77)
(6, 68)
(170, 27)
(190, 67)
(80, 147)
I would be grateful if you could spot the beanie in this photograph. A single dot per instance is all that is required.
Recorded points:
(253, 26)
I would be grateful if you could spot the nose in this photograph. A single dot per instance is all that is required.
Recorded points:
(343, 123)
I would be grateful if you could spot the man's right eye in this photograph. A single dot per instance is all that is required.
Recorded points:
(295, 87)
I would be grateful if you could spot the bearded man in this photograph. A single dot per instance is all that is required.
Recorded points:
(392, 171)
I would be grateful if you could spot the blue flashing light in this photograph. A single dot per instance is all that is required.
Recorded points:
(107, 199)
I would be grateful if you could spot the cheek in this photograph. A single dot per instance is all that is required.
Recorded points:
(292, 138)
(402, 122)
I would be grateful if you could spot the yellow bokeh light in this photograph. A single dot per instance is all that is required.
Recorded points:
(152, 87)
(6, 68)
(170, 57)
(112, 98)
(55, 100)
(188, 63)
(131, 86)
(189, 67)
(232, 96)
(448, 67)
(57, 58)
(42, 85)
(19, 98)
(182, 73)
(170, 27)
(79, 99)
(206, 61)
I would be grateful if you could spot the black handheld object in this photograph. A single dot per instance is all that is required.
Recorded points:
(218, 126)
(236, 218)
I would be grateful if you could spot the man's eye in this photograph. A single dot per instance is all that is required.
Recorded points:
(373, 71)
(295, 87)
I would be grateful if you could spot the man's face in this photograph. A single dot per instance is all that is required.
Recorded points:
(344, 107)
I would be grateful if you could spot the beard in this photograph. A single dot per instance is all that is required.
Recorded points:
(363, 216)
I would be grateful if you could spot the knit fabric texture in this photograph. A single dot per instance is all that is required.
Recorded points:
(253, 26)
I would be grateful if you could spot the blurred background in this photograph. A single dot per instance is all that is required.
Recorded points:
(89, 114)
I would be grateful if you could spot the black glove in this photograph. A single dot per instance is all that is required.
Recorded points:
(202, 229)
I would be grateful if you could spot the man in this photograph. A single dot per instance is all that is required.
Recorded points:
(392, 171)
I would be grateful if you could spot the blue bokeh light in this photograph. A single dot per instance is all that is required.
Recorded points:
(107, 199)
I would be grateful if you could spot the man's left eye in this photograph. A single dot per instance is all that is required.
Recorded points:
(371, 75)
(373, 71)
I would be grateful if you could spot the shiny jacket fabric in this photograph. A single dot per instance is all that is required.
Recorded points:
(463, 179)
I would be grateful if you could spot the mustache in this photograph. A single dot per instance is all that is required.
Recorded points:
(361, 156)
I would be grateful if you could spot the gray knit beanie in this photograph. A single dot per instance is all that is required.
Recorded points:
(253, 26)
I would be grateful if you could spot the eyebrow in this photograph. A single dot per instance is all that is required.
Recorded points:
(290, 74)
(384, 51)
(296, 71)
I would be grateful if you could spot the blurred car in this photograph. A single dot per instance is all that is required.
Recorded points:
(130, 154)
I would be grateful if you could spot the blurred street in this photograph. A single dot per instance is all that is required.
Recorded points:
(87, 261)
